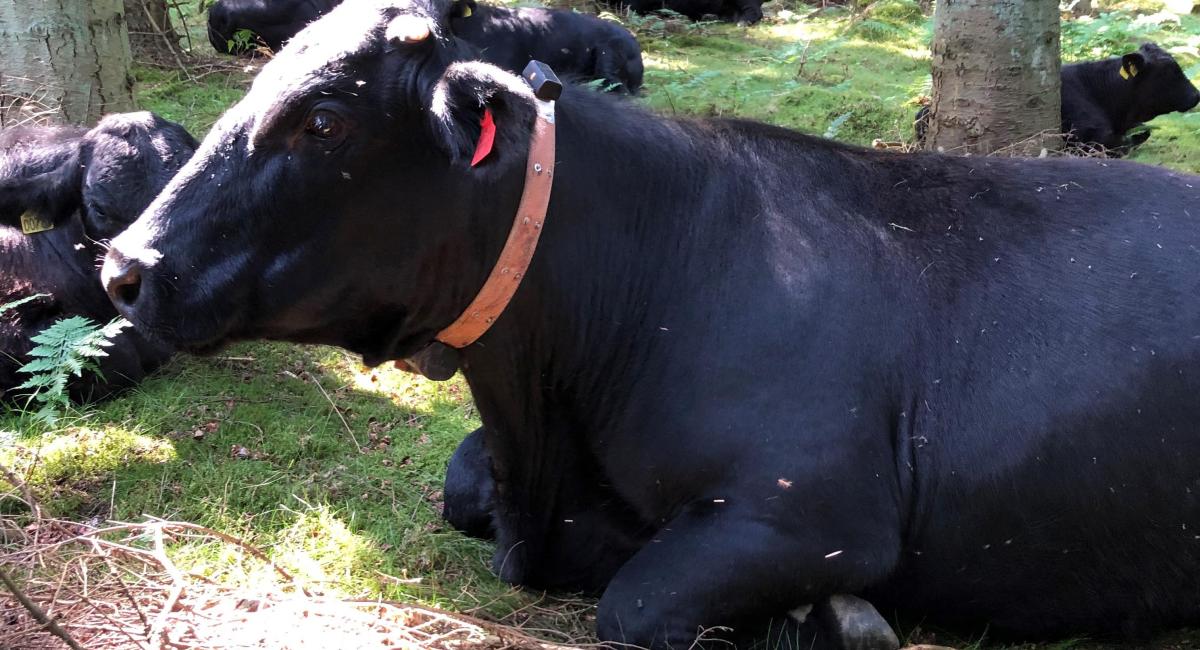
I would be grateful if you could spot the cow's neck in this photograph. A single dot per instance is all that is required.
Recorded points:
(609, 264)
(558, 367)
(1113, 94)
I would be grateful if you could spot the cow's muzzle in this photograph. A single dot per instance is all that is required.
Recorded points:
(1195, 100)
(122, 279)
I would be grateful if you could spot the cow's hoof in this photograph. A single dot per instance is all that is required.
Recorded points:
(855, 624)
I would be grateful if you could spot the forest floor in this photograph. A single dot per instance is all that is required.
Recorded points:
(335, 470)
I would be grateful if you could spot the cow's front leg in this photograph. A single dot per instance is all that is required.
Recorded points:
(576, 541)
(749, 12)
(718, 566)
(469, 491)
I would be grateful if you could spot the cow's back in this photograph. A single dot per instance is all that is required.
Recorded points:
(1053, 420)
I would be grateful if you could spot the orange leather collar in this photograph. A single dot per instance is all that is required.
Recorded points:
(522, 242)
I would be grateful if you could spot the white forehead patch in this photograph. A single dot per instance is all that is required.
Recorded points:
(351, 28)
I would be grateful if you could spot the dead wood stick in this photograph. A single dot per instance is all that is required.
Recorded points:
(37, 612)
(232, 540)
(335, 410)
(17, 483)
(167, 39)
(158, 633)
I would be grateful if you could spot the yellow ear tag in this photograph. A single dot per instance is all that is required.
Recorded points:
(466, 11)
(1128, 71)
(32, 223)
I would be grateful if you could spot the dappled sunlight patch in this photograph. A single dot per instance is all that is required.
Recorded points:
(128, 585)
(322, 551)
(804, 30)
(662, 60)
(65, 466)
(403, 389)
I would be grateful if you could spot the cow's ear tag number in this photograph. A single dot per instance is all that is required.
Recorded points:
(1129, 71)
(32, 222)
(487, 137)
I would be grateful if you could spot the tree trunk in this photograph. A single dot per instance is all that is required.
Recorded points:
(65, 59)
(996, 77)
(150, 29)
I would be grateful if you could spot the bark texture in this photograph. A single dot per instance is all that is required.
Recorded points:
(69, 58)
(996, 76)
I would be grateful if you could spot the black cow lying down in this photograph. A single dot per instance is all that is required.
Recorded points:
(270, 22)
(1103, 100)
(88, 185)
(767, 367)
(746, 12)
(573, 44)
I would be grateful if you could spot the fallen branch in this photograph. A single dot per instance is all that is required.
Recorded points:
(26, 493)
(37, 612)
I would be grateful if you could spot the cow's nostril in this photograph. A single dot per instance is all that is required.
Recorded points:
(123, 280)
(127, 292)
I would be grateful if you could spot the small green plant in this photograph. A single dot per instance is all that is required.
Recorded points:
(68, 348)
(601, 85)
(1117, 32)
(242, 41)
(17, 303)
(836, 125)
(663, 23)
(886, 21)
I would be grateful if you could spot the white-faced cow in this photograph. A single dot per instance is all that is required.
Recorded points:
(64, 191)
(575, 44)
(747, 369)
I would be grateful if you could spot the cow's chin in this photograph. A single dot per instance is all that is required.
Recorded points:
(379, 340)
(194, 343)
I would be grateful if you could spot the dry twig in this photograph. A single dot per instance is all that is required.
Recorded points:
(36, 611)
(100, 589)
(335, 410)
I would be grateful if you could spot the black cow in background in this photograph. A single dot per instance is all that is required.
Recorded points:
(746, 12)
(574, 44)
(1104, 100)
(571, 43)
(84, 187)
(272, 22)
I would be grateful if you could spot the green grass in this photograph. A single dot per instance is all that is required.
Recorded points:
(336, 470)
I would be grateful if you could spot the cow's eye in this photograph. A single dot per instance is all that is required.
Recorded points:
(324, 124)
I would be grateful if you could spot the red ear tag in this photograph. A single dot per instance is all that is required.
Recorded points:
(487, 137)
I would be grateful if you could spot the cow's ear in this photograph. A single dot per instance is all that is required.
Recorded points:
(483, 116)
(40, 186)
(462, 9)
(1132, 64)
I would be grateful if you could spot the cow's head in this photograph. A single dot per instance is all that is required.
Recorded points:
(336, 202)
(1162, 86)
(109, 175)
